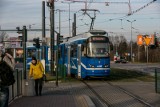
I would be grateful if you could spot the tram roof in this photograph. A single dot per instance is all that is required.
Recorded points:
(86, 35)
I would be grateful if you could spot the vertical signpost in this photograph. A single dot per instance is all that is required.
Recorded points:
(147, 42)
(139, 43)
(144, 40)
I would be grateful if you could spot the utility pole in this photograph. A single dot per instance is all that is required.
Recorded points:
(43, 35)
(69, 21)
(43, 29)
(131, 39)
(51, 5)
(24, 50)
(74, 26)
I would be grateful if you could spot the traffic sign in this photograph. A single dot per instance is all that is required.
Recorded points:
(147, 40)
(140, 40)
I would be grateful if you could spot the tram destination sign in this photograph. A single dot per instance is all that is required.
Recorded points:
(98, 39)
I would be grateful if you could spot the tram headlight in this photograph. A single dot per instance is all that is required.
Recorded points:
(92, 66)
(106, 66)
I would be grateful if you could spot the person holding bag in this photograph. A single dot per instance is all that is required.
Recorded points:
(37, 72)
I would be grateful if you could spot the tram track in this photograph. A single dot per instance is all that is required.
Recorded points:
(115, 96)
(96, 94)
(81, 89)
(132, 95)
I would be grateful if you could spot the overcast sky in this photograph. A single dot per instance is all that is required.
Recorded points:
(112, 18)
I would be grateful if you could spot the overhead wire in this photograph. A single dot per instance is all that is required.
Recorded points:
(111, 19)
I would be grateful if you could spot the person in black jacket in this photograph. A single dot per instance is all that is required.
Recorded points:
(4, 90)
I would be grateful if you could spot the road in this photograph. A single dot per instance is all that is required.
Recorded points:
(144, 67)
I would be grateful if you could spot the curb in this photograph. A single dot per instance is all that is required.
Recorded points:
(89, 101)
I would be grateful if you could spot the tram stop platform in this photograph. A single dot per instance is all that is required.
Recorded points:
(76, 94)
(54, 96)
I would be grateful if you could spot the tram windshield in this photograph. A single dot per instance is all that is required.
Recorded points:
(98, 49)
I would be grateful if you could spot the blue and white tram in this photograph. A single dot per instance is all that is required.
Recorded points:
(33, 51)
(17, 53)
(86, 55)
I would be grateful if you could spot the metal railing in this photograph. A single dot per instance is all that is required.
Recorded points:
(15, 90)
(157, 80)
(62, 71)
(19, 88)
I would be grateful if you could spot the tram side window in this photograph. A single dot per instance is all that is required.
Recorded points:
(72, 52)
(65, 51)
(84, 50)
(75, 51)
(88, 51)
(31, 52)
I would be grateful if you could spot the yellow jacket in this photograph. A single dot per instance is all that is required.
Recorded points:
(36, 71)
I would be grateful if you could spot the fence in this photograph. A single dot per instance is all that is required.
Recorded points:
(19, 88)
(157, 80)
(16, 89)
(62, 71)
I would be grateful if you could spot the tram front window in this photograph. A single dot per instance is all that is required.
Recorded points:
(98, 50)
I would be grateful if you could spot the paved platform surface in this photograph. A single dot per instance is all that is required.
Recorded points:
(76, 94)
(53, 96)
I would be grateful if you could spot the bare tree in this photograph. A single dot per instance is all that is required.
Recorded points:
(3, 36)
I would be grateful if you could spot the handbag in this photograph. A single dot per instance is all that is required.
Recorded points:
(44, 77)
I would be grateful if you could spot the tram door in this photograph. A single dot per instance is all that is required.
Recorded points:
(79, 60)
(68, 59)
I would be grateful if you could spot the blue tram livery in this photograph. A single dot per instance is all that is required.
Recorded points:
(17, 53)
(86, 55)
(33, 51)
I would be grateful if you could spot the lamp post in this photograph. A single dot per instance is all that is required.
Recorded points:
(131, 37)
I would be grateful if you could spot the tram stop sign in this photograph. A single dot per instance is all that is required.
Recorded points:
(147, 40)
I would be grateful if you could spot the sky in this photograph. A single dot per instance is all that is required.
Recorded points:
(112, 18)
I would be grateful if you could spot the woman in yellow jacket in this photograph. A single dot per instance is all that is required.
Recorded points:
(37, 71)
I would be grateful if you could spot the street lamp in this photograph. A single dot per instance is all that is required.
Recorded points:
(131, 37)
